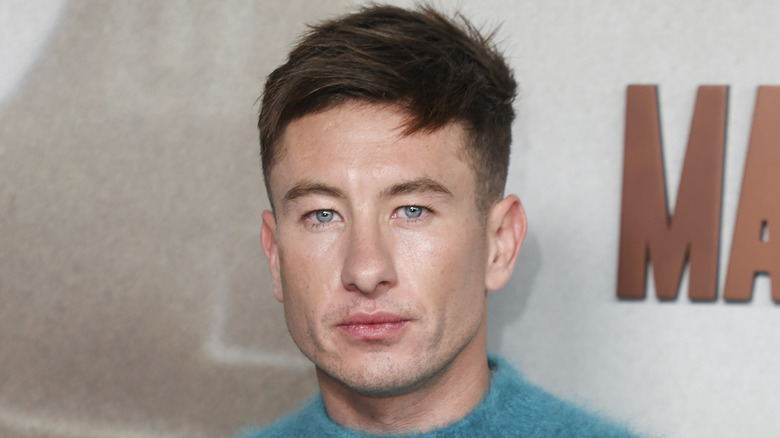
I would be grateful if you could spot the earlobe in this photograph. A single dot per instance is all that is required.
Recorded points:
(506, 231)
(268, 239)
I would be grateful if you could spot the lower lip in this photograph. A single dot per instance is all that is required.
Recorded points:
(373, 332)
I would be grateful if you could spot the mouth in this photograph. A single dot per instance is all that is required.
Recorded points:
(372, 326)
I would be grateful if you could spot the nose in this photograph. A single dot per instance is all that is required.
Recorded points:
(368, 265)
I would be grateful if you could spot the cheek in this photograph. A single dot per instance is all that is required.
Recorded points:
(303, 302)
(446, 265)
(307, 259)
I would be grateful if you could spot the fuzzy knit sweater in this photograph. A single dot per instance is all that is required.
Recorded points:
(512, 408)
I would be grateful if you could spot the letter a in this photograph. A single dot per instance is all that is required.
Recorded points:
(754, 250)
(648, 232)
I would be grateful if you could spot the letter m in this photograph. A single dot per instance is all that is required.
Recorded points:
(648, 232)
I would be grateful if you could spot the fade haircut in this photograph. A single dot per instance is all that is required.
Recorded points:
(436, 69)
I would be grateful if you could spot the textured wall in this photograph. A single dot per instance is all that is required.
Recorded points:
(135, 299)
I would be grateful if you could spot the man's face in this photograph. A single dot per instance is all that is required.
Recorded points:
(377, 249)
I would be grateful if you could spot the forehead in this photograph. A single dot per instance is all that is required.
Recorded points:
(355, 141)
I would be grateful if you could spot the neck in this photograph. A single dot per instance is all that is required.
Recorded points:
(443, 399)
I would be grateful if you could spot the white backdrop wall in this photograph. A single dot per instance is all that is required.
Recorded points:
(146, 309)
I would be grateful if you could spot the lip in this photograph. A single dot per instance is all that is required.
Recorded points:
(373, 326)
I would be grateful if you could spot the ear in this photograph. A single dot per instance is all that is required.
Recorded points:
(506, 228)
(268, 239)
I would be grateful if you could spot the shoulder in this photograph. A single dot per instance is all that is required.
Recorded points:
(528, 410)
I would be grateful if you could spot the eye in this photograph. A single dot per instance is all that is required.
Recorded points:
(323, 216)
(321, 219)
(413, 211)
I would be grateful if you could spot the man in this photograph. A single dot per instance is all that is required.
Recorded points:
(385, 145)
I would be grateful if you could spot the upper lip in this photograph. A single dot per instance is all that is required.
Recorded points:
(372, 318)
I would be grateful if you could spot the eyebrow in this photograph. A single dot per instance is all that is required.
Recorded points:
(417, 186)
(307, 188)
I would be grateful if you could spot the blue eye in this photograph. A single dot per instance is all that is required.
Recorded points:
(413, 211)
(323, 216)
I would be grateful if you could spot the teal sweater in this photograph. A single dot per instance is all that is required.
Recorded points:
(512, 408)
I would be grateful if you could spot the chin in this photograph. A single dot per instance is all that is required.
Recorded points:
(386, 382)
(383, 375)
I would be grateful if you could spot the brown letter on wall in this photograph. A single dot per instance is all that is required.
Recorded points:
(648, 232)
(752, 249)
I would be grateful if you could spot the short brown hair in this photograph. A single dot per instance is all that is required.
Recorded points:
(436, 69)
